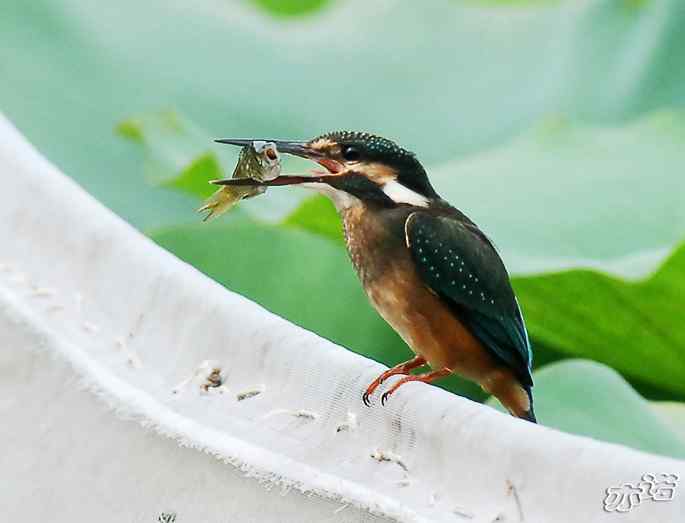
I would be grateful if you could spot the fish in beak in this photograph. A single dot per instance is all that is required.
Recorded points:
(258, 160)
(296, 148)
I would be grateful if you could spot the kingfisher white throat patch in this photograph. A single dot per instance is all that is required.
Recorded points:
(401, 194)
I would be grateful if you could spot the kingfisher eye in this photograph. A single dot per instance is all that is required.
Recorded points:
(351, 154)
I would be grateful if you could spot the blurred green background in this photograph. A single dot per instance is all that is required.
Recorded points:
(558, 126)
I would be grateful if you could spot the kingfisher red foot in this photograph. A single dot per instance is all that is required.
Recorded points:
(424, 378)
(402, 368)
(429, 271)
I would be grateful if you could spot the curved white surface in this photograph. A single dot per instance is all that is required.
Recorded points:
(97, 327)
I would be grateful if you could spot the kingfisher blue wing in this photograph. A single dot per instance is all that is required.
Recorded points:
(460, 264)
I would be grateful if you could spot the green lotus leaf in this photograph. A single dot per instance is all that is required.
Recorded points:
(590, 399)
(443, 78)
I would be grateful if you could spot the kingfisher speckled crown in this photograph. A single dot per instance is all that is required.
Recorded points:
(429, 271)
(371, 143)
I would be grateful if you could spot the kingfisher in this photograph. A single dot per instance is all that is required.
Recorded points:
(428, 269)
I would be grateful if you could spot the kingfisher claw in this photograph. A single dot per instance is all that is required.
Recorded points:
(365, 399)
(385, 397)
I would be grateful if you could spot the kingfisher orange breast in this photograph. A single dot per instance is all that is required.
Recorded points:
(377, 247)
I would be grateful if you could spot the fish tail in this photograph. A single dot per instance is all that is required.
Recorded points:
(218, 203)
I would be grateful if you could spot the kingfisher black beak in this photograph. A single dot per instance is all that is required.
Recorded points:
(300, 149)
(284, 179)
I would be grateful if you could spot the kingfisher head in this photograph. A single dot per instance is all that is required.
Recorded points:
(359, 167)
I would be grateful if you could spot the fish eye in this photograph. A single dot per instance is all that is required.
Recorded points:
(271, 154)
(350, 153)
